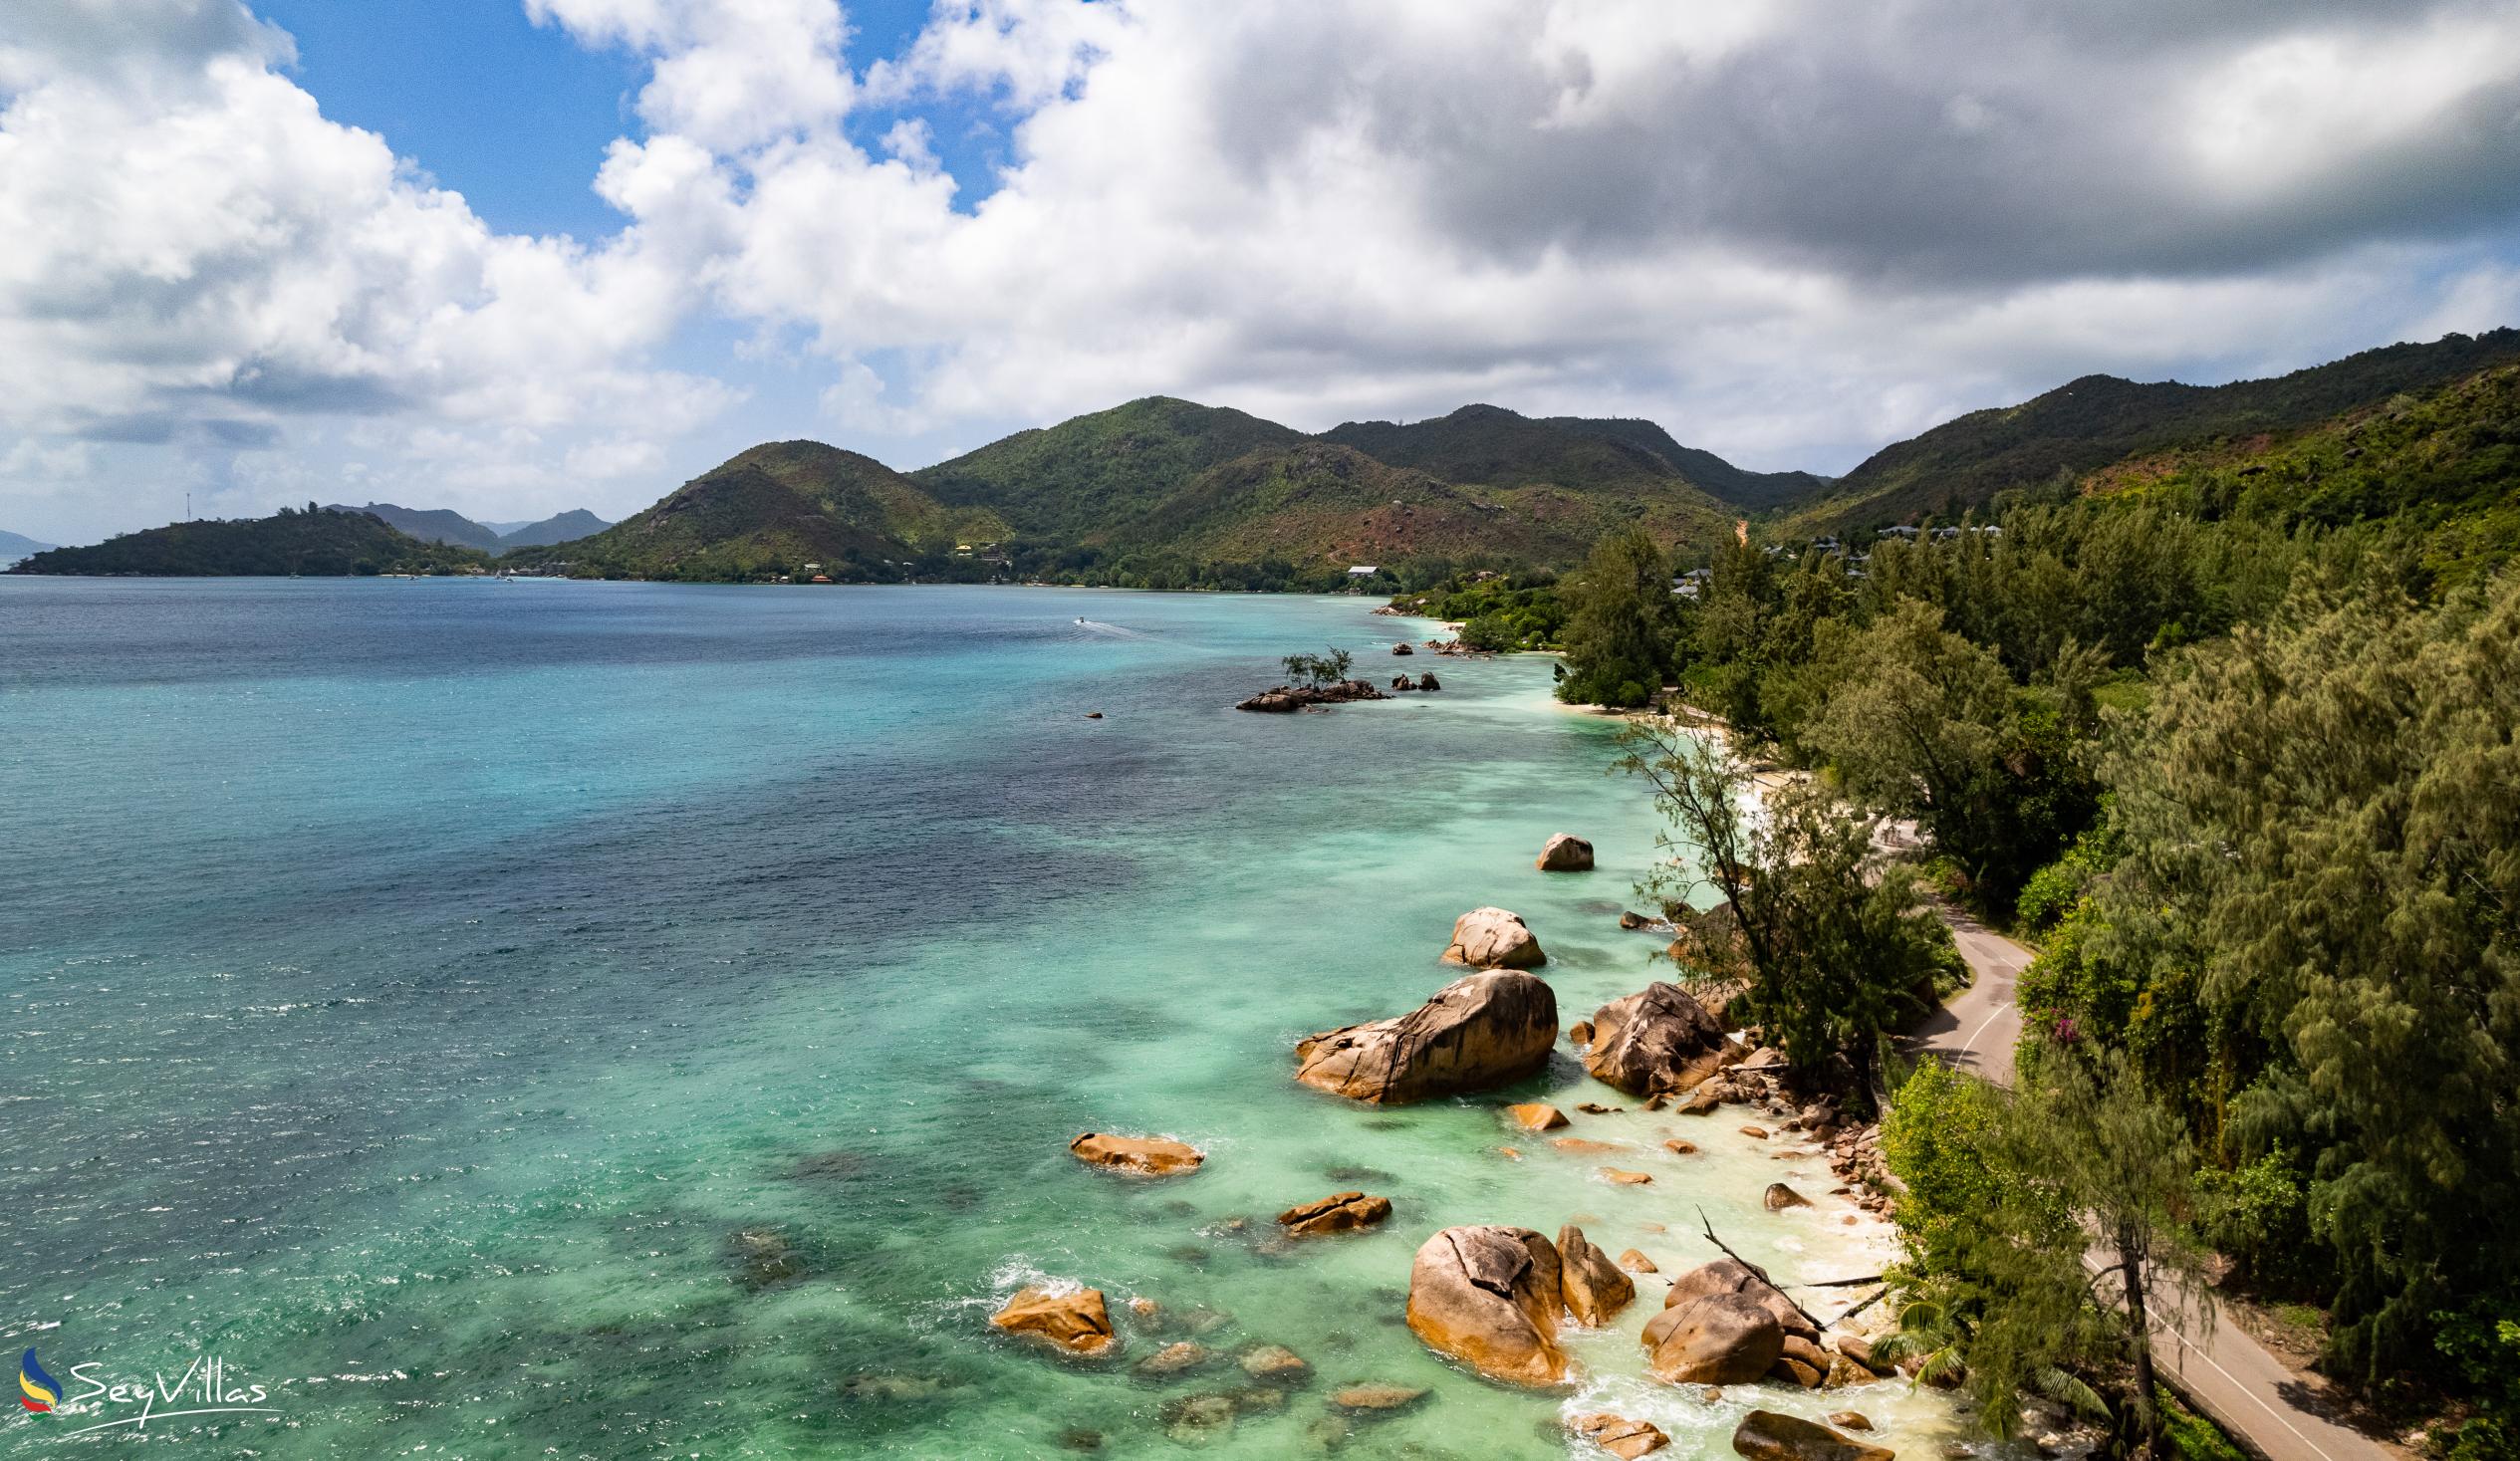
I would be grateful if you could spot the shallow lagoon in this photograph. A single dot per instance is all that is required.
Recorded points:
(413, 987)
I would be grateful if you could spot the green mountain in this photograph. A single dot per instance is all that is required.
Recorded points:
(1752, 492)
(325, 541)
(2098, 421)
(774, 509)
(429, 524)
(14, 545)
(559, 528)
(2445, 464)
(1090, 476)
(1322, 504)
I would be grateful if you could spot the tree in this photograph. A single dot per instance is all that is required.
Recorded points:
(1618, 637)
(2322, 822)
(2049, 1229)
(1328, 668)
(1829, 946)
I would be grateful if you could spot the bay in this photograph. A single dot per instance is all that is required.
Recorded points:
(632, 1020)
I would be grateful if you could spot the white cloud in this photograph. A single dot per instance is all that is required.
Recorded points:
(1789, 231)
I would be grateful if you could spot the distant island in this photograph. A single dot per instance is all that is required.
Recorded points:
(14, 545)
(1163, 493)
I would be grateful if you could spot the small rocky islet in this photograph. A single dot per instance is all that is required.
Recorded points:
(1496, 1298)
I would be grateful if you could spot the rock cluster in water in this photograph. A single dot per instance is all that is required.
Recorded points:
(1286, 699)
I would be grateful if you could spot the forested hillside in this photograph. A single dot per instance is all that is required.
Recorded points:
(2090, 423)
(309, 542)
(2230, 727)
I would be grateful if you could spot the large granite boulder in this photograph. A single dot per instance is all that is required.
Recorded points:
(1479, 1031)
(1717, 1340)
(1655, 1041)
(1764, 1435)
(1566, 852)
(1730, 1276)
(1140, 1156)
(1073, 1319)
(1489, 1296)
(1339, 1212)
(1492, 938)
(1595, 1288)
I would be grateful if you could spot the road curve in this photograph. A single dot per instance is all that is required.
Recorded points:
(2220, 1370)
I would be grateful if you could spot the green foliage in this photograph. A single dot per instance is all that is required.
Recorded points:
(2258, 1215)
(1618, 634)
(1327, 668)
(2192, 1437)
(2484, 1348)
(2006, 1192)
(2053, 892)
(316, 542)
(1498, 612)
(1935, 1136)
(2321, 821)
(1829, 946)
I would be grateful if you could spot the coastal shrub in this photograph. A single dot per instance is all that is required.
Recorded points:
(1491, 632)
(1318, 670)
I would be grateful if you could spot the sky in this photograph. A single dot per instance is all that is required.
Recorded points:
(517, 256)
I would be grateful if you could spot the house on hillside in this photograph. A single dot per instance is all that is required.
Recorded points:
(1901, 530)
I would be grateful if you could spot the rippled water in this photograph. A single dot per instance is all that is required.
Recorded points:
(414, 990)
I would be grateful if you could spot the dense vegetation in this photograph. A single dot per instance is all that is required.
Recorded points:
(313, 541)
(1083, 478)
(2230, 728)
(2096, 420)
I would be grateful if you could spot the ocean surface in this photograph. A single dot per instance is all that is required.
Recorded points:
(586, 1020)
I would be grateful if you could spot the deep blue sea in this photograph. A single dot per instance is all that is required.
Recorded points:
(589, 1020)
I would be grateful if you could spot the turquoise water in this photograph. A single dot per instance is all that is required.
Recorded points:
(413, 989)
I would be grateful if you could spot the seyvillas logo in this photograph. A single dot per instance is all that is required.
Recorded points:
(37, 1391)
(207, 1387)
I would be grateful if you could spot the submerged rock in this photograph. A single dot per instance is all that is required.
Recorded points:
(1489, 1296)
(1655, 1041)
(1494, 938)
(1566, 852)
(1179, 1357)
(1275, 1364)
(1764, 1435)
(763, 1257)
(1338, 1213)
(1376, 1400)
(1620, 1436)
(1479, 1031)
(1074, 1320)
(1143, 1157)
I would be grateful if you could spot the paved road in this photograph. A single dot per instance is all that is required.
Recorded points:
(2217, 1366)
(1978, 1029)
